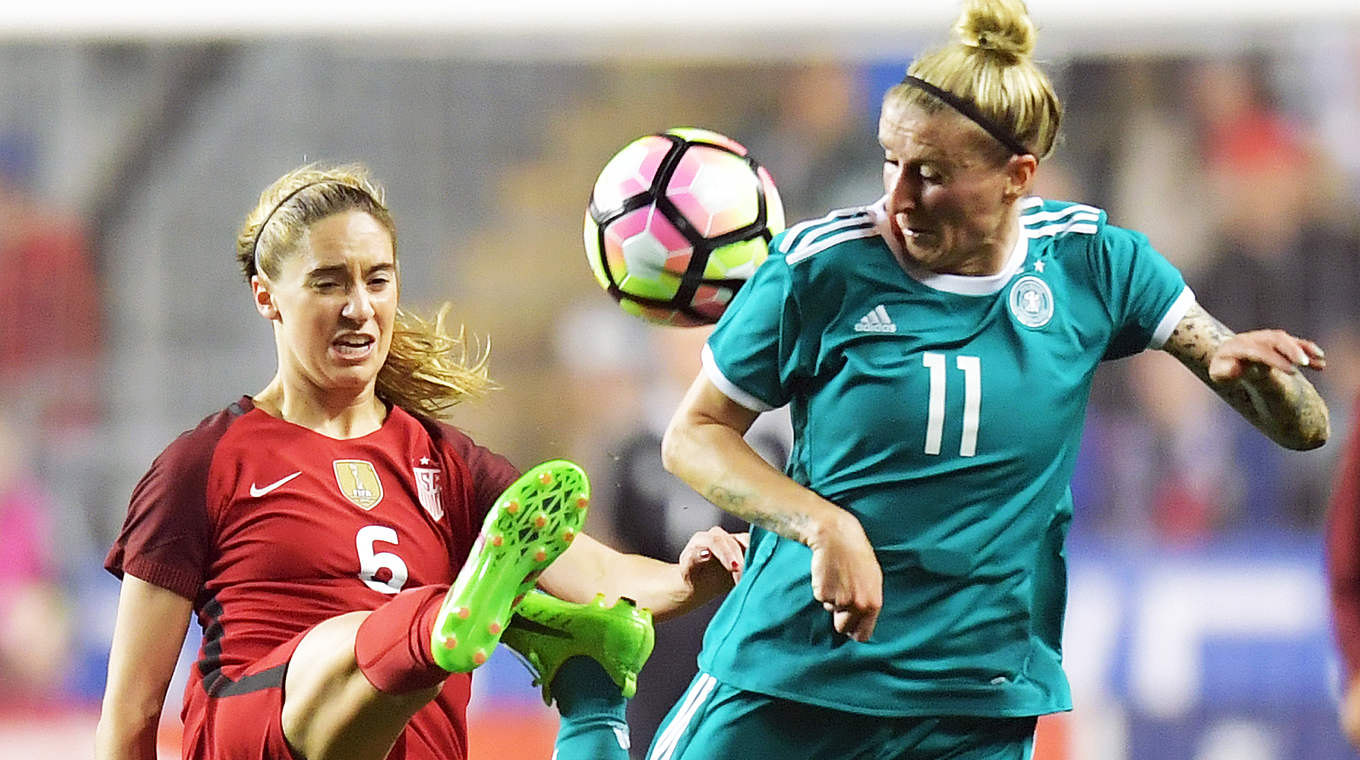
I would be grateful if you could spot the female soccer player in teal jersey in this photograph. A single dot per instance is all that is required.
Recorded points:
(905, 583)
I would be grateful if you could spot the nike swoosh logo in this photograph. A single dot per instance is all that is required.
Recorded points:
(525, 624)
(258, 492)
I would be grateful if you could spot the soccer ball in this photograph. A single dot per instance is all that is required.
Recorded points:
(677, 222)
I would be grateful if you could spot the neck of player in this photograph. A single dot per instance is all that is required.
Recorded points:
(334, 413)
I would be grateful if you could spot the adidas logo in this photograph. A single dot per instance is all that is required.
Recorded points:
(876, 321)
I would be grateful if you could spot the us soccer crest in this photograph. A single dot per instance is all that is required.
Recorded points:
(358, 481)
(1031, 301)
(427, 489)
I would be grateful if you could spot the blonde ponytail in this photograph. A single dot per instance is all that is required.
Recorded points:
(428, 370)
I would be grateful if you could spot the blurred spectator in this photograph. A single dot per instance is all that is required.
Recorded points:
(33, 624)
(1331, 94)
(49, 340)
(1252, 215)
(1146, 468)
(49, 326)
(48, 395)
(1192, 496)
(819, 141)
(1156, 186)
(1282, 255)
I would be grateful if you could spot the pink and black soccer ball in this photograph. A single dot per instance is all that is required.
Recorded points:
(677, 222)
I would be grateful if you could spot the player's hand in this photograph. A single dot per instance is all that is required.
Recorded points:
(1350, 713)
(1257, 352)
(712, 561)
(846, 576)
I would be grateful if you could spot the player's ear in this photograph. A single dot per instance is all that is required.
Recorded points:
(264, 300)
(1020, 172)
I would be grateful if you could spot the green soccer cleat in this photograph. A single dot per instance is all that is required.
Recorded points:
(528, 527)
(546, 631)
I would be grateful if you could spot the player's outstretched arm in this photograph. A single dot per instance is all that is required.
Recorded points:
(1257, 373)
(704, 447)
(708, 566)
(147, 637)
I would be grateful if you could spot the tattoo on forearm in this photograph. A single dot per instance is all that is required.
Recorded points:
(1197, 337)
(740, 504)
(788, 525)
(726, 499)
(1283, 405)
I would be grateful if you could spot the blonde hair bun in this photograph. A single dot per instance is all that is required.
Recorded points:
(997, 26)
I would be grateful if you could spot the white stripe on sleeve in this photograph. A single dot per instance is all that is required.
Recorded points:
(1172, 318)
(728, 388)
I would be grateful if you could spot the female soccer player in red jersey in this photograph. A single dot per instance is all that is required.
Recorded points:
(1343, 575)
(316, 528)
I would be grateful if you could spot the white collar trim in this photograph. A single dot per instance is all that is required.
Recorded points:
(965, 285)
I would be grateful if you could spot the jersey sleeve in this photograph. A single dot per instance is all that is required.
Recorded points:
(489, 473)
(1343, 551)
(752, 354)
(167, 535)
(1145, 294)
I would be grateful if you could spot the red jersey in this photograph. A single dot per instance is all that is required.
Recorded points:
(1343, 551)
(270, 528)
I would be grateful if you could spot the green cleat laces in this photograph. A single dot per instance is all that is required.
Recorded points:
(546, 631)
(528, 527)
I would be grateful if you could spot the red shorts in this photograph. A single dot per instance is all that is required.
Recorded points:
(243, 718)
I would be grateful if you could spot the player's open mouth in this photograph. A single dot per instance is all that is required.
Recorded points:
(910, 233)
(353, 346)
(916, 233)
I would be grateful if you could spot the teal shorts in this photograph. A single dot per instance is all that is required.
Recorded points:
(714, 721)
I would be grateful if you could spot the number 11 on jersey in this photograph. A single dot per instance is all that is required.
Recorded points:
(971, 366)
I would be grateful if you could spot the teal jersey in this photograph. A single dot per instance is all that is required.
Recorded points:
(945, 412)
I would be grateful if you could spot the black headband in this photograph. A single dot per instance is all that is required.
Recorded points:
(969, 109)
(255, 244)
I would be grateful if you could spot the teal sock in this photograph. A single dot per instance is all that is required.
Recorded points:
(593, 725)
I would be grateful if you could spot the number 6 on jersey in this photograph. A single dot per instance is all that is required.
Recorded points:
(370, 561)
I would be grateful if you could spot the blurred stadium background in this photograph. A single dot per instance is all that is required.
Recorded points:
(133, 139)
